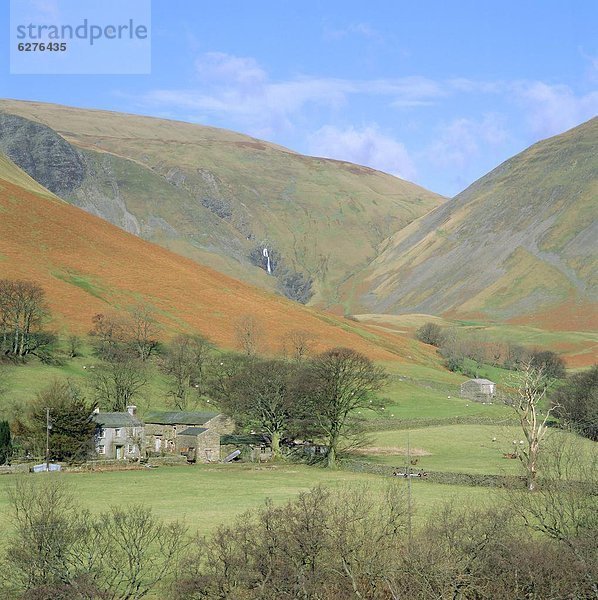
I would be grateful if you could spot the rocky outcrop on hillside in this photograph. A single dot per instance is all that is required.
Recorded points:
(42, 153)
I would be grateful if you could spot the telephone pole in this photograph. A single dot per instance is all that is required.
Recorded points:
(48, 427)
(408, 472)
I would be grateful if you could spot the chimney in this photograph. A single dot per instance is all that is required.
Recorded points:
(96, 410)
(132, 410)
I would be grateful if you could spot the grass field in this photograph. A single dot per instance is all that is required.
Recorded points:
(476, 449)
(205, 496)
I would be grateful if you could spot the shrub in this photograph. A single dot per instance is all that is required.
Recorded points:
(430, 333)
(576, 402)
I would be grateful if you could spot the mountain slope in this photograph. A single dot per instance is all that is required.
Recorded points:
(518, 244)
(88, 266)
(216, 196)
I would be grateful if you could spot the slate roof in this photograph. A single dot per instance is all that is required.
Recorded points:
(193, 431)
(180, 418)
(116, 419)
(243, 439)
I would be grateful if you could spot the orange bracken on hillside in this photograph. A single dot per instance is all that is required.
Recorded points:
(88, 266)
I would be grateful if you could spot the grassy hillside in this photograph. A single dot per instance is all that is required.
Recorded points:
(518, 245)
(19, 178)
(216, 196)
(88, 266)
(577, 348)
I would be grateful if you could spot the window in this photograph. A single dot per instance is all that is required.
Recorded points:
(130, 448)
(117, 432)
(102, 449)
(102, 433)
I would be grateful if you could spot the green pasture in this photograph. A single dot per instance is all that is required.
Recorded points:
(205, 496)
(475, 449)
(423, 399)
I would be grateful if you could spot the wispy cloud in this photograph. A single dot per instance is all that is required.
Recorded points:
(552, 109)
(240, 88)
(592, 68)
(361, 29)
(463, 139)
(366, 146)
(222, 68)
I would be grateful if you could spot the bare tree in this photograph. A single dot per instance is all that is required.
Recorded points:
(578, 400)
(452, 348)
(74, 346)
(22, 312)
(322, 544)
(108, 331)
(185, 361)
(476, 348)
(563, 506)
(261, 396)
(118, 381)
(222, 372)
(41, 551)
(531, 390)
(58, 550)
(515, 356)
(298, 344)
(496, 350)
(337, 384)
(140, 551)
(430, 333)
(249, 334)
(142, 329)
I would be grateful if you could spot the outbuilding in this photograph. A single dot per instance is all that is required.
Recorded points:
(479, 390)
(163, 429)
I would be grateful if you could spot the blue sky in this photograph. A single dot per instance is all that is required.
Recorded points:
(437, 92)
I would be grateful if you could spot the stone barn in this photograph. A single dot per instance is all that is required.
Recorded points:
(254, 447)
(199, 444)
(163, 429)
(479, 390)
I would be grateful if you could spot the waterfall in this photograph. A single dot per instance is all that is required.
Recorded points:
(266, 255)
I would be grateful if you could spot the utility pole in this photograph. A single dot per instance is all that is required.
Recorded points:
(408, 472)
(48, 427)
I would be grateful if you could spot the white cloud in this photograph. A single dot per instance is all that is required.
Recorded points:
(355, 29)
(592, 65)
(462, 139)
(238, 88)
(367, 146)
(552, 109)
(222, 68)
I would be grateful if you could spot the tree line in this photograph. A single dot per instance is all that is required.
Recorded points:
(456, 346)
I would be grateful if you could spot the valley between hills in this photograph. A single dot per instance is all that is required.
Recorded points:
(148, 241)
